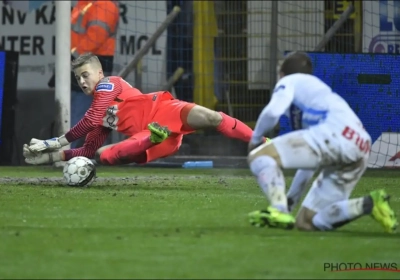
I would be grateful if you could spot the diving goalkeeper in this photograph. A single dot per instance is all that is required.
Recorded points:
(155, 123)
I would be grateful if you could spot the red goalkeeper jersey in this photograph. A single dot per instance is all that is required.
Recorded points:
(116, 106)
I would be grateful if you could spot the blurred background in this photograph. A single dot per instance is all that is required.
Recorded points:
(220, 54)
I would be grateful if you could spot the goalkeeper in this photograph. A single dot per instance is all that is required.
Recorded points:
(155, 123)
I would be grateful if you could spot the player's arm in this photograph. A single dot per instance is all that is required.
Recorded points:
(281, 99)
(102, 23)
(94, 140)
(106, 91)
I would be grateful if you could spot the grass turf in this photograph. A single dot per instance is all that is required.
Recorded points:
(172, 223)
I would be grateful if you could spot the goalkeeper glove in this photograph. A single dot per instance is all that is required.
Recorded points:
(43, 158)
(28, 153)
(48, 145)
(25, 148)
(34, 141)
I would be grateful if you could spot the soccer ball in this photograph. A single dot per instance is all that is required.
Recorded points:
(79, 171)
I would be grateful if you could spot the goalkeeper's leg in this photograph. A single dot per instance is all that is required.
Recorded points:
(143, 147)
(183, 118)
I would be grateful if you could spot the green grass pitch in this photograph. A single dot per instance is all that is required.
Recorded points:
(172, 223)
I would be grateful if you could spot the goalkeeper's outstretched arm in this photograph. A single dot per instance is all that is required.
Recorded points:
(94, 115)
(92, 119)
(93, 142)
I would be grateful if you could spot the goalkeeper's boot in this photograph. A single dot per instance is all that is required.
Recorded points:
(272, 217)
(382, 212)
(158, 133)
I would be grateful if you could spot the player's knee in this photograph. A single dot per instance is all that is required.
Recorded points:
(108, 156)
(261, 163)
(266, 149)
(101, 156)
(105, 156)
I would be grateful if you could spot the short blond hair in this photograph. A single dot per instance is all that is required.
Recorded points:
(86, 58)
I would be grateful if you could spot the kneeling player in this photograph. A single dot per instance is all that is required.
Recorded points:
(118, 106)
(329, 137)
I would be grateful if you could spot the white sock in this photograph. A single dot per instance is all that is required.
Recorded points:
(342, 212)
(298, 186)
(271, 180)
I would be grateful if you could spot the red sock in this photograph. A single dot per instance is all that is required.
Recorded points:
(233, 128)
(128, 151)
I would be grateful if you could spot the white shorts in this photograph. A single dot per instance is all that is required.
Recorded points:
(341, 160)
(322, 145)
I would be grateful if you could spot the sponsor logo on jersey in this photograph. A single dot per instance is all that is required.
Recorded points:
(111, 119)
(105, 87)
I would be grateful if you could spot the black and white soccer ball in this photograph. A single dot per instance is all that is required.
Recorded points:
(79, 172)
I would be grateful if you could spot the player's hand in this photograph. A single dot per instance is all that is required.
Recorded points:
(25, 148)
(34, 141)
(48, 145)
(44, 158)
(26, 152)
